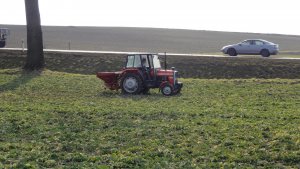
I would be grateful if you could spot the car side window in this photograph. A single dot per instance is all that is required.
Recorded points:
(259, 43)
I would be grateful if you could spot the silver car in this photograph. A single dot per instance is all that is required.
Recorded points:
(252, 47)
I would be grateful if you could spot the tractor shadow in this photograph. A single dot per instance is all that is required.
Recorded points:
(21, 80)
(149, 96)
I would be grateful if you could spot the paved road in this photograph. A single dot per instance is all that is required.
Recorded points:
(168, 54)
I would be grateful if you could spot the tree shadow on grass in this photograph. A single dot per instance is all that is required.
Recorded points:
(23, 79)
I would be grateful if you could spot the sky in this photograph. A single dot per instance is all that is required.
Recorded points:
(259, 16)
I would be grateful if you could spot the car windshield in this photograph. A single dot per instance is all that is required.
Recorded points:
(267, 42)
(156, 62)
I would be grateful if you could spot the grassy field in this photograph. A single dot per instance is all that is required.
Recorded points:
(54, 119)
(230, 118)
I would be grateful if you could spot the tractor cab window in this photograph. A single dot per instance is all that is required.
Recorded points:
(156, 62)
(133, 61)
(145, 62)
(130, 61)
(137, 61)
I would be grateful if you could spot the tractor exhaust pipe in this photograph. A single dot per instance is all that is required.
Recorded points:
(165, 61)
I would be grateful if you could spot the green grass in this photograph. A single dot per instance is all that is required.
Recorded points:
(57, 120)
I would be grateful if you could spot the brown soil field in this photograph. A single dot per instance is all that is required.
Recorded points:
(188, 66)
(144, 39)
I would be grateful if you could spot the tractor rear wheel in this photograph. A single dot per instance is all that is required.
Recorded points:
(131, 84)
(167, 90)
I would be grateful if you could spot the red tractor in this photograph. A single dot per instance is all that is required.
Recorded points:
(141, 73)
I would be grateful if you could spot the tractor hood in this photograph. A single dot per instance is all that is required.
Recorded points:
(162, 72)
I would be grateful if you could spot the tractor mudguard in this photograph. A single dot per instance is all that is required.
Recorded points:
(163, 84)
(111, 79)
(133, 71)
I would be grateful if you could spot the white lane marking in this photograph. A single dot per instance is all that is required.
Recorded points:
(168, 54)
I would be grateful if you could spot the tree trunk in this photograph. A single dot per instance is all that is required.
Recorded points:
(35, 53)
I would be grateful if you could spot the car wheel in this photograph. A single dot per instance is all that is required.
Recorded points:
(265, 53)
(232, 52)
(131, 84)
(167, 90)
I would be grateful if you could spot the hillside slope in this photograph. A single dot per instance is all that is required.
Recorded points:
(143, 39)
(188, 66)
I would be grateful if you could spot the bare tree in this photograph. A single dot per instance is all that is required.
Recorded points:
(35, 54)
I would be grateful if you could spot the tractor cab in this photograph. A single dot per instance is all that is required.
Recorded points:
(147, 64)
(3, 35)
(140, 60)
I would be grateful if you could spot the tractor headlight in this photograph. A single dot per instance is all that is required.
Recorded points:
(175, 77)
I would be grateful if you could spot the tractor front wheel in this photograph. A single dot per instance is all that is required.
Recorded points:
(177, 91)
(131, 84)
(167, 90)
